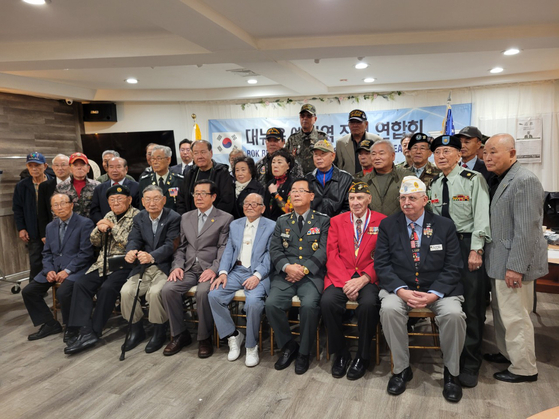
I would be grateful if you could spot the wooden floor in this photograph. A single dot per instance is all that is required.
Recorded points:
(38, 381)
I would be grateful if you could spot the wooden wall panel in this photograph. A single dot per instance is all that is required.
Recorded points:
(29, 124)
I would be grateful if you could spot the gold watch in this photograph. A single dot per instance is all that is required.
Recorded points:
(306, 270)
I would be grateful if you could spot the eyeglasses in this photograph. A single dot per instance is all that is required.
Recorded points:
(200, 194)
(119, 200)
(299, 191)
(405, 198)
(252, 205)
(445, 152)
(60, 205)
(414, 148)
(155, 200)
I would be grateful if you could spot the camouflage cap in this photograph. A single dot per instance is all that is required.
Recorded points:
(324, 145)
(359, 187)
(275, 133)
(307, 107)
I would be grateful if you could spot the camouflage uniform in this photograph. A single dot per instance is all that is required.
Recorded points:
(300, 146)
(429, 173)
(265, 175)
(82, 204)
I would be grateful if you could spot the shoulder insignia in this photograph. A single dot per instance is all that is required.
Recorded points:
(145, 176)
(468, 174)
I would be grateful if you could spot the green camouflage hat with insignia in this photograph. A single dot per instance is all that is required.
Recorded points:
(359, 187)
(307, 107)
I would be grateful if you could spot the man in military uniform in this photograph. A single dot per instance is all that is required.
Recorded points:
(420, 153)
(300, 144)
(275, 140)
(298, 256)
(347, 147)
(462, 195)
(365, 158)
(161, 176)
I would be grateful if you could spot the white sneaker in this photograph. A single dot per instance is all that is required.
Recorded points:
(252, 358)
(235, 343)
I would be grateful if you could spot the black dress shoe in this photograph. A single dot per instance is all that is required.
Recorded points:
(177, 343)
(70, 333)
(340, 365)
(45, 331)
(511, 377)
(137, 335)
(397, 383)
(158, 339)
(357, 369)
(452, 390)
(496, 358)
(82, 343)
(468, 379)
(290, 351)
(301, 364)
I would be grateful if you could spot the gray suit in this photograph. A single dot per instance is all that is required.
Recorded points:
(196, 253)
(518, 244)
(345, 152)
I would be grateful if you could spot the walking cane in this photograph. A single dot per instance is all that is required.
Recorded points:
(105, 253)
(142, 269)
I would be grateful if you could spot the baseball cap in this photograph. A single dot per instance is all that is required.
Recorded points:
(412, 184)
(307, 107)
(35, 158)
(78, 156)
(358, 115)
(365, 145)
(275, 133)
(324, 145)
(471, 132)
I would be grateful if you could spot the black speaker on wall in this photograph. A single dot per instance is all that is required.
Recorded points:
(99, 112)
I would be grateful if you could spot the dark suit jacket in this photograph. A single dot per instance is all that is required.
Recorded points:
(160, 246)
(76, 253)
(253, 187)
(178, 169)
(208, 246)
(439, 270)
(44, 213)
(100, 204)
(480, 167)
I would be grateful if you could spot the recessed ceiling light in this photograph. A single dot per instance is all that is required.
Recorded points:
(252, 81)
(369, 80)
(361, 66)
(36, 2)
(132, 80)
(496, 70)
(511, 51)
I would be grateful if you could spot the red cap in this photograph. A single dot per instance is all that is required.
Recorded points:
(78, 156)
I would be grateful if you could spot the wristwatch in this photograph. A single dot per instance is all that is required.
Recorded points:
(306, 270)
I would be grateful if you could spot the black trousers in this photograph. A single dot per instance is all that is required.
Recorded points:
(333, 303)
(107, 293)
(475, 288)
(35, 249)
(34, 298)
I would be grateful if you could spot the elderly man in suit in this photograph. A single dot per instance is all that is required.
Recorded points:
(245, 265)
(151, 243)
(117, 168)
(515, 258)
(66, 256)
(111, 234)
(351, 277)
(298, 254)
(204, 233)
(418, 264)
(347, 147)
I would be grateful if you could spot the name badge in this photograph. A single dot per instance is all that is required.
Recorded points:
(435, 247)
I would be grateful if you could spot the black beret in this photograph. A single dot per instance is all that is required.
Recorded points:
(118, 190)
(418, 137)
(446, 141)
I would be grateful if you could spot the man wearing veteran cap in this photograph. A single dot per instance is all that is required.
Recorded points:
(420, 152)
(418, 263)
(365, 158)
(347, 147)
(300, 143)
(330, 184)
(78, 187)
(351, 277)
(275, 140)
(462, 196)
(471, 139)
(115, 227)
(25, 207)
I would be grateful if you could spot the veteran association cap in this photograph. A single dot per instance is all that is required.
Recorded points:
(418, 137)
(446, 141)
(35, 158)
(470, 132)
(275, 133)
(324, 145)
(359, 187)
(307, 107)
(357, 115)
(78, 156)
(412, 184)
(365, 145)
(118, 190)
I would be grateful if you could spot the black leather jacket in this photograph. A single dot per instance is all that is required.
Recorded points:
(331, 199)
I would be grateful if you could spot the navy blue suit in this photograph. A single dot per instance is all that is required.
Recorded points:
(100, 205)
(75, 254)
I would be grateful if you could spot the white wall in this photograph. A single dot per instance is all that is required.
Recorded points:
(494, 110)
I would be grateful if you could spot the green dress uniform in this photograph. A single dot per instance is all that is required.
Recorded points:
(288, 245)
(300, 146)
(170, 187)
(469, 209)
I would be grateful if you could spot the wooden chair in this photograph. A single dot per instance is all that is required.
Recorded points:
(295, 302)
(352, 305)
(190, 308)
(236, 314)
(55, 303)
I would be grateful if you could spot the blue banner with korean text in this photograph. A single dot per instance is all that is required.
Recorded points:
(249, 134)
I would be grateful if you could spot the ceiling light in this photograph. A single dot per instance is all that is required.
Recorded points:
(496, 70)
(361, 66)
(252, 81)
(36, 2)
(369, 80)
(511, 51)
(132, 80)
